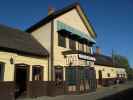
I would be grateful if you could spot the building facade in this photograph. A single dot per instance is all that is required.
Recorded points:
(69, 38)
(54, 56)
(107, 72)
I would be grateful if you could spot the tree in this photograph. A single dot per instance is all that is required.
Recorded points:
(122, 61)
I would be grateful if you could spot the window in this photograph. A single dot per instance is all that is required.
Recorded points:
(2, 65)
(108, 74)
(88, 49)
(58, 74)
(124, 75)
(61, 40)
(72, 44)
(81, 46)
(37, 73)
(118, 75)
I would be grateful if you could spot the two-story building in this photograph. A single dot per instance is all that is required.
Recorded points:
(69, 37)
(54, 56)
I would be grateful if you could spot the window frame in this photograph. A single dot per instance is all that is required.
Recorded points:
(61, 40)
(41, 72)
(60, 70)
(88, 49)
(72, 44)
(109, 75)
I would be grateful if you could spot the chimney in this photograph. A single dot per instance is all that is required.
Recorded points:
(98, 50)
(50, 10)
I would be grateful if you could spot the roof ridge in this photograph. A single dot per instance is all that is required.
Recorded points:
(52, 16)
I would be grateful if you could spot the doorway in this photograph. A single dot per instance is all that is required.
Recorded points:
(100, 77)
(21, 79)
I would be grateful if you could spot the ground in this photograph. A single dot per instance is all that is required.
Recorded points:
(100, 93)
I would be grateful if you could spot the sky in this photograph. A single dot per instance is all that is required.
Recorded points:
(111, 19)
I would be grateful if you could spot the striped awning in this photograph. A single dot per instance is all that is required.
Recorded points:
(73, 31)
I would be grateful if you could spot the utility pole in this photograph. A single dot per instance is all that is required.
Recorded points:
(113, 57)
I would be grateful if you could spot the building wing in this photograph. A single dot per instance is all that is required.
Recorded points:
(14, 40)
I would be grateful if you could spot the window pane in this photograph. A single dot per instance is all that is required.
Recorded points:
(81, 46)
(37, 73)
(58, 74)
(88, 49)
(72, 44)
(61, 40)
(108, 74)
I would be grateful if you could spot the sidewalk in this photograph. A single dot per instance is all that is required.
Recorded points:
(100, 93)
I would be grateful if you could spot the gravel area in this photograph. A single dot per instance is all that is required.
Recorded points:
(100, 93)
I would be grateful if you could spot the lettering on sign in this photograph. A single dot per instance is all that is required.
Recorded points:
(81, 56)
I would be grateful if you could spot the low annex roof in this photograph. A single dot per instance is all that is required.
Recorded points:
(105, 60)
(14, 40)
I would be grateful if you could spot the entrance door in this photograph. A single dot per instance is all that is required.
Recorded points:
(100, 77)
(90, 79)
(21, 78)
(71, 76)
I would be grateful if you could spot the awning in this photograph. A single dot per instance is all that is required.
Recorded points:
(73, 31)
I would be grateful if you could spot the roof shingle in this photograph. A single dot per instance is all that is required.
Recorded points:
(14, 40)
(103, 60)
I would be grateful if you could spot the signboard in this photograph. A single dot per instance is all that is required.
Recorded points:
(85, 57)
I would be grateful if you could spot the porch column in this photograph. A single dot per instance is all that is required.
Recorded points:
(30, 73)
(64, 73)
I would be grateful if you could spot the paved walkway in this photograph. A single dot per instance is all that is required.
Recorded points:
(100, 93)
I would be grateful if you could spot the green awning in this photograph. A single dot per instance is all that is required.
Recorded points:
(73, 31)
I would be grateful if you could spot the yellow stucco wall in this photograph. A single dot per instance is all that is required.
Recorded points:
(72, 19)
(9, 68)
(106, 69)
(43, 36)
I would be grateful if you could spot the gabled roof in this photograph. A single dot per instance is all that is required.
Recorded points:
(60, 12)
(14, 40)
